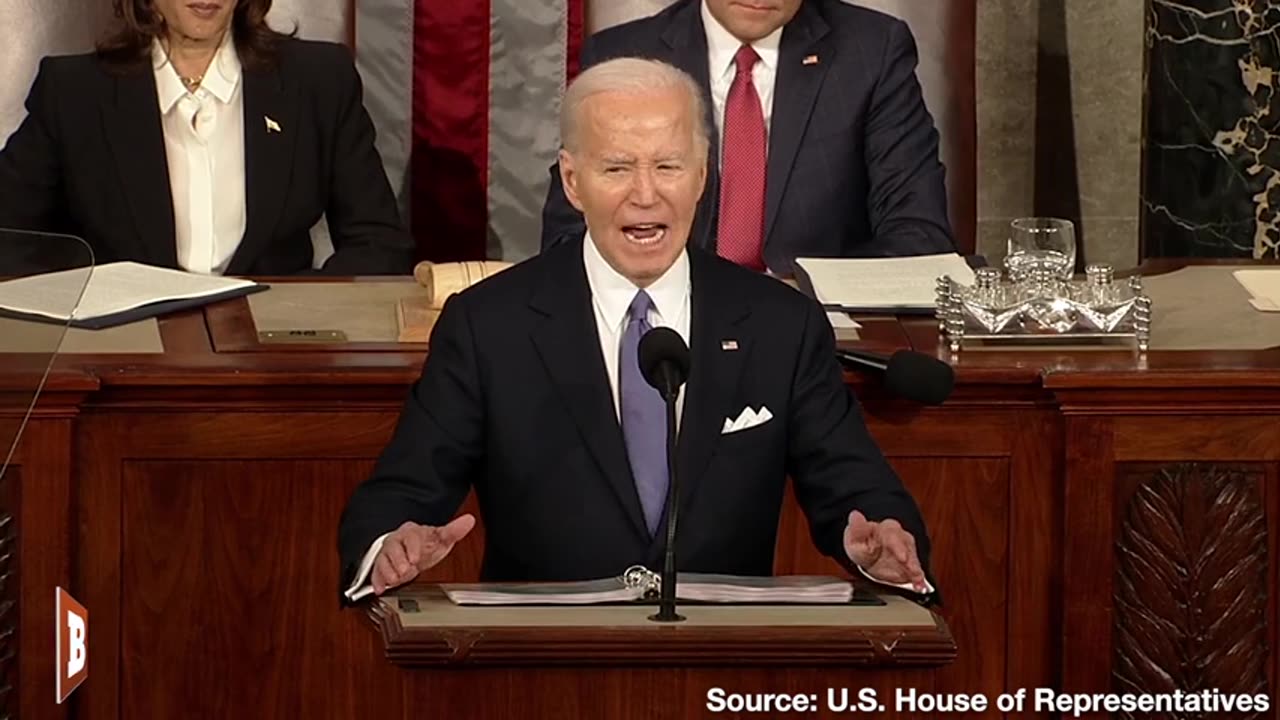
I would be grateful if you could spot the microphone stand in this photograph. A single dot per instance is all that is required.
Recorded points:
(667, 601)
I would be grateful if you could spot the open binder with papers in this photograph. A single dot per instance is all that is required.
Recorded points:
(641, 585)
(117, 293)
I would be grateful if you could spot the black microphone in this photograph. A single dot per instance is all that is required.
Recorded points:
(907, 374)
(664, 362)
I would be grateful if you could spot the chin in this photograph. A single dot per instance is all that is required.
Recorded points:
(651, 268)
(205, 28)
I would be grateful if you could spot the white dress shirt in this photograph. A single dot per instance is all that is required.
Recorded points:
(204, 146)
(611, 295)
(721, 47)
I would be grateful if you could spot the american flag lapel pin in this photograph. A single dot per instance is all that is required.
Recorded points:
(809, 60)
(728, 345)
(272, 125)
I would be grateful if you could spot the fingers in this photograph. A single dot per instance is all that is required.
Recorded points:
(383, 575)
(396, 549)
(914, 570)
(917, 575)
(862, 540)
(439, 541)
(457, 528)
(901, 547)
(898, 542)
(885, 550)
(859, 526)
(411, 535)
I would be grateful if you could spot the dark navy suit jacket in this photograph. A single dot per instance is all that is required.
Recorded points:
(853, 168)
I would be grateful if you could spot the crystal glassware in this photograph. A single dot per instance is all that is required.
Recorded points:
(1041, 244)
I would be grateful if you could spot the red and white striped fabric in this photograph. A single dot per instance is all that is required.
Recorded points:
(465, 96)
(468, 150)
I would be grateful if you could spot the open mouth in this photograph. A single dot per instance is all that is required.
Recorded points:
(645, 234)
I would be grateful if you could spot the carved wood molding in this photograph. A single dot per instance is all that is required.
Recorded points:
(1191, 583)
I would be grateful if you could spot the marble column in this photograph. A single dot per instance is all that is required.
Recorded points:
(1212, 146)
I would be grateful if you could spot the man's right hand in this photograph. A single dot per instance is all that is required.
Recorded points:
(412, 548)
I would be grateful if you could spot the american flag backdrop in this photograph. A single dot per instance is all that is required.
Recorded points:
(465, 95)
(469, 149)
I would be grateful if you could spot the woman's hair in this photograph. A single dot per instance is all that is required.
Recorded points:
(141, 24)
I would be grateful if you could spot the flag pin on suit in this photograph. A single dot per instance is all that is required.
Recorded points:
(272, 125)
(809, 60)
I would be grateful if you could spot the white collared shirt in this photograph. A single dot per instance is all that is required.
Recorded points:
(204, 146)
(611, 295)
(721, 47)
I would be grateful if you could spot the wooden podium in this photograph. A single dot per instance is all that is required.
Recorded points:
(613, 662)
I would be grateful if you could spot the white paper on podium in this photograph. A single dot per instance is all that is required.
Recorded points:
(882, 283)
(1263, 285)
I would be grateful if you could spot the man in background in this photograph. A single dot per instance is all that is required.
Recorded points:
(823, 145)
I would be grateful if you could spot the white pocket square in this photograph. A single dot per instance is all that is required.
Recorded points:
(747, 419)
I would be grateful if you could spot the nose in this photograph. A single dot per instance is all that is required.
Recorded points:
(644, 190)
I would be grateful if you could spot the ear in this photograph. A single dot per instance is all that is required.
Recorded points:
(569, 179)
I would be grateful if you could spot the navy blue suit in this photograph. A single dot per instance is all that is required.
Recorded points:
(853, 168)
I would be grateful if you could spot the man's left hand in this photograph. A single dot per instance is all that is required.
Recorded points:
(884, 550)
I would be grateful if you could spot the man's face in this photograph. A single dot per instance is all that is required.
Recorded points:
(750, 20)
(636, 175)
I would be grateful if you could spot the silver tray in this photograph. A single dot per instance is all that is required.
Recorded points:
(1041, 307)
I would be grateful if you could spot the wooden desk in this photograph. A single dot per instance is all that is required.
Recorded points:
(1098, 518)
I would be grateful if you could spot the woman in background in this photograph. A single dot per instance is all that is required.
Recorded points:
(198, 138)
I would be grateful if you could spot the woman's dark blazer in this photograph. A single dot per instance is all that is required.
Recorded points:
(89, 160)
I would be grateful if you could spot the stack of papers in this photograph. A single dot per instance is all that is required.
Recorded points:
(116, 293)
(1263, 285)
(588, 592)
(695, 587)
(881, 284)
(782, 589)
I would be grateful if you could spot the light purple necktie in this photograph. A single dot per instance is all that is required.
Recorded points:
(644, 416)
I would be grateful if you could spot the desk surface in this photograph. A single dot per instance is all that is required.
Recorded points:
(218, 345)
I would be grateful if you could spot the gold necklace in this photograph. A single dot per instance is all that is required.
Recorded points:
(191, 82)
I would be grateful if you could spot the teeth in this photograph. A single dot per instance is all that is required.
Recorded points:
(655, 238)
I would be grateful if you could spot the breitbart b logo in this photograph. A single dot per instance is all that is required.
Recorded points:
(72, 622)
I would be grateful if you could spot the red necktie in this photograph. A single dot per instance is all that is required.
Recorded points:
(740, 236)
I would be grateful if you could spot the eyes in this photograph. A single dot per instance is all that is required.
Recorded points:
(663, 168)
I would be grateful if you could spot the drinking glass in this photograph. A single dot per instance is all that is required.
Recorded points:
(1041, 243)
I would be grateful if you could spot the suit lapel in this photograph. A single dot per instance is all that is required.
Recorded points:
(719, 350)
(270, 130)
(795, 91)
(686, 38)
(136, 137)
(568, 343)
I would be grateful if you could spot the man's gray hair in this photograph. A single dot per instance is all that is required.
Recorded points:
(630, 75)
